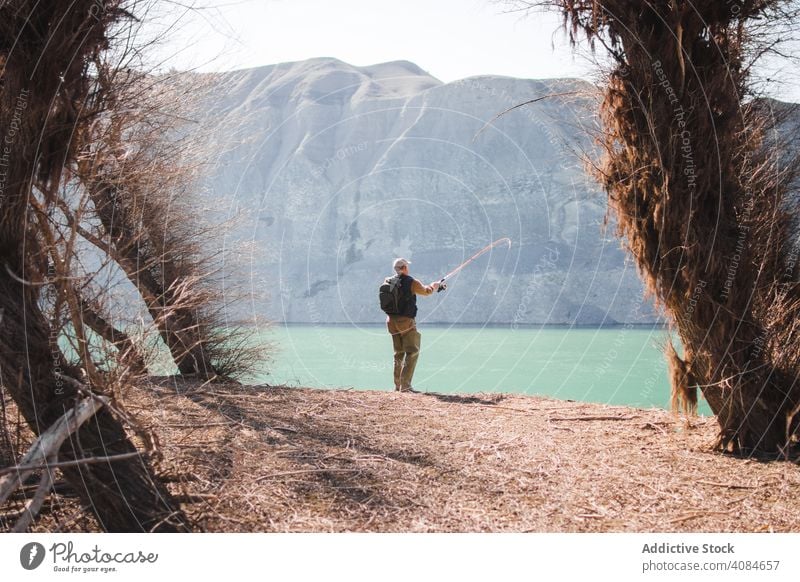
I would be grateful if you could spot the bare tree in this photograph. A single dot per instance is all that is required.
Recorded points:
(46, 56)
(700, 186)
(140, 171)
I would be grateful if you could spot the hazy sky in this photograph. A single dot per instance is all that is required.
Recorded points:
(451, 39)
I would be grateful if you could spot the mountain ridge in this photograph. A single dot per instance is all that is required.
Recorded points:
(337, 169)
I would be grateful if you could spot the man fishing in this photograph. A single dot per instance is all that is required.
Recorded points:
(398, 298)
(399, 301)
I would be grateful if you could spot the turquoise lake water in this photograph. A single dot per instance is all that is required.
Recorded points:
(620, 365)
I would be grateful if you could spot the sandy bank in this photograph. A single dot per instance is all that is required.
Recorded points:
(311, 460)
(288, 459)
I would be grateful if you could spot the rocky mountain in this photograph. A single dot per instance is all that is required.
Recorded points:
(335, 170)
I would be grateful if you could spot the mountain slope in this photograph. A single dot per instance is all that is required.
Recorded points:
(338, 169)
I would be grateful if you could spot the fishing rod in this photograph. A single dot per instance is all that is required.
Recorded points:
(486, 249)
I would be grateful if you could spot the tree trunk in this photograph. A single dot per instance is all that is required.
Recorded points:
(177, 325)
(119, 339)
(44, 84)
(700, 202)
(125, 495)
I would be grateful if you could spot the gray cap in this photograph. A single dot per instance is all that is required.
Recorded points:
(398, 263)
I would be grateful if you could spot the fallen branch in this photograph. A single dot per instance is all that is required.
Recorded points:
(35, 504)
(283, 428)
(43, 453)
(199, 426)
(654, 426)
(566, 418)
(728, 485)
(230, 396)
(195, 497)
(305, 471)
(73, 463)
(696, 514)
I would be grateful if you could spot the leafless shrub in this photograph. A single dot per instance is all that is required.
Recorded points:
(140, 171)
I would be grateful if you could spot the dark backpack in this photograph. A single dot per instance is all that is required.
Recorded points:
(391, 297)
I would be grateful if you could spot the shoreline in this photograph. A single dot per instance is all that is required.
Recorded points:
(423, 392)
(511, 326)
(277, 459)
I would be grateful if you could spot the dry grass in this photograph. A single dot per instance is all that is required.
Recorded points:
(252, 459)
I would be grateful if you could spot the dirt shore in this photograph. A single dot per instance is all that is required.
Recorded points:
(254, 459)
